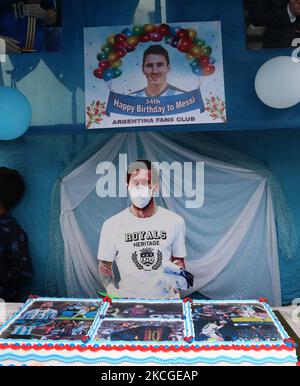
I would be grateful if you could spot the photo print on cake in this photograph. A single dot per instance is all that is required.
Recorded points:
(233, 322)
(144, 311)
(145, 331)
(52, 320)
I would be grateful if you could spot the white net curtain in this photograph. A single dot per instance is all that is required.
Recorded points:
(231, 240)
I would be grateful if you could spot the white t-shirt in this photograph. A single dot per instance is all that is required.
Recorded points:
(141, 247)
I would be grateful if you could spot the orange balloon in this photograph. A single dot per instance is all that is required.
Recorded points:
(209, 69)
(112, 57)
(150, 28)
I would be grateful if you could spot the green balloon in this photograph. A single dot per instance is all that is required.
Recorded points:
(107, 48)
(199, 42)
(194, 63)
(138, 30)
(101, 56)
(117, 72)
(207, 51)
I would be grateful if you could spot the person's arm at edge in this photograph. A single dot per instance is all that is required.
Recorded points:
(107, 276)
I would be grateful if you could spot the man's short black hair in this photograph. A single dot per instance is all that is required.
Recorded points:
(156, 50)
(143, 164)
(12, 187)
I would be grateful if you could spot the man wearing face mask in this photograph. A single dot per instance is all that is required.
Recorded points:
(146, 241)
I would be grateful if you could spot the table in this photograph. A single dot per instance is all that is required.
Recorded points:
(292, 327)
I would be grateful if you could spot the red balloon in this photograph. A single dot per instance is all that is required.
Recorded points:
(182, 34)
(104, 64)
(130, 48)
(204, 60)
(184, 45)
(121, 52)
(121, 44)
(145, 38)
(209, 70)
(164, 29)
(156, 37)
(120, 38)
(98, 73)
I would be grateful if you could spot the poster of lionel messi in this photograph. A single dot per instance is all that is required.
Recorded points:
(154, 75)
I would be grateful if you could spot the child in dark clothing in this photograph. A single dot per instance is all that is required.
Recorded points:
(15, 261)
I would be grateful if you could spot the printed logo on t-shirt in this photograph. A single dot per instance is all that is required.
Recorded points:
(147, 260)
(145, 239)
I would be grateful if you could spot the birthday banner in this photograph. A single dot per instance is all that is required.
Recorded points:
(152, 75)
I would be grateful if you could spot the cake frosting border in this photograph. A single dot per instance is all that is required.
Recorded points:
(93, 346)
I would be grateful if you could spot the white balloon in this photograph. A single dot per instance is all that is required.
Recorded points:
(277, 82)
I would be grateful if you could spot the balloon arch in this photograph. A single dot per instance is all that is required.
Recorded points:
(184, 40)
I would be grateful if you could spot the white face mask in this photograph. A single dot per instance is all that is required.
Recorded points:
(140, 196)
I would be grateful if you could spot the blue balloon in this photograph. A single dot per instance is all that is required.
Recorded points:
(15, 113)
(174, 30)
(108, 74)
(198, 71)
(174, 42)
(127, 32)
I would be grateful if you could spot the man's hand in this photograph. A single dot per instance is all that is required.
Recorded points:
(107, 277)
(294, 6)
(48, 16)
(11, 45)
(35, 10)
(176, 278)
(178, 261)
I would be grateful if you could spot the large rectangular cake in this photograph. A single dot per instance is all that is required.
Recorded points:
(61, 331)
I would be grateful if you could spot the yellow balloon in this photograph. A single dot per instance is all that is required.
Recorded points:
(111, 39)
(133, 40)
(196, 51)
(118, 63)
(189, 57)
(192, 33)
